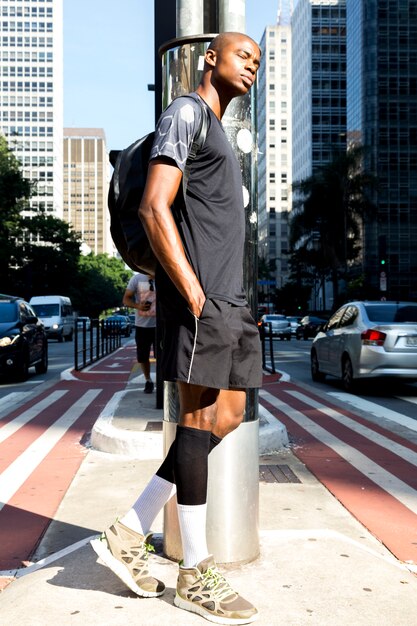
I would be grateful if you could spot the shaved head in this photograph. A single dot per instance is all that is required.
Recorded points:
(222, 40)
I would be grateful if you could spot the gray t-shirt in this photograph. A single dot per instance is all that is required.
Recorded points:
(143, 292)
(212, 222)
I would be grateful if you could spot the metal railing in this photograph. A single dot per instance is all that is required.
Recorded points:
(265, 331)
(95, 339)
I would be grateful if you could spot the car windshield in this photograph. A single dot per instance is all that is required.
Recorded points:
(392, 313)
(8, 312)
(45, 310)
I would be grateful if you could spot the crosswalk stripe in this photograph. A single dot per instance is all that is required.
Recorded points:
(369, 433)
(12, 398)
(16, 474)
(374, 472)
(375, 409)
(412, 399)
(11, 427)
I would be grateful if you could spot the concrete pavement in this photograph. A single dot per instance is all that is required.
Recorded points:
(317, 564)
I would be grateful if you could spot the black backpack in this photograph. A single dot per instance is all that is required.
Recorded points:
(125, 193)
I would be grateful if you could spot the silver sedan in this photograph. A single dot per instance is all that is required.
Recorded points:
(277, 325)
(367, 340)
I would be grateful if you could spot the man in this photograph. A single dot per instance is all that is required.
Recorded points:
(140, 295)
(210, 343)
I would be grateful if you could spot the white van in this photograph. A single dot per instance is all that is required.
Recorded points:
(56, 314)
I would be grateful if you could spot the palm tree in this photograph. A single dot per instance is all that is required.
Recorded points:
(326, 221)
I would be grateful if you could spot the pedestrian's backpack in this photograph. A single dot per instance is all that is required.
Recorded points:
(125, 193)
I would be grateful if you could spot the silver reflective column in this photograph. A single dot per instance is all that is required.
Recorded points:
(233, 489)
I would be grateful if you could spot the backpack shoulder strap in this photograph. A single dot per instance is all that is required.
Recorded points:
(198, 141)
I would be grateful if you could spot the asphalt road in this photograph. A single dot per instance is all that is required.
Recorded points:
(376, 398)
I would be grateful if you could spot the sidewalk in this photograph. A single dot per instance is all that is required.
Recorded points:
(317, 564)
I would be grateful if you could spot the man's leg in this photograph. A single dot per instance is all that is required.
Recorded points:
(201, 588)
(161, 487)
(145, 338)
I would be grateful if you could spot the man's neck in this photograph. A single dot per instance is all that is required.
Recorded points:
(212, 99)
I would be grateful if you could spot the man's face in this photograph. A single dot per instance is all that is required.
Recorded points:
(236, 65)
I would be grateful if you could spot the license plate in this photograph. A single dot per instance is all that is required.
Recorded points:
(411, 341)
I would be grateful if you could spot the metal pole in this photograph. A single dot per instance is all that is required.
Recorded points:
(190, 17)
(232, 15)
(233, 489)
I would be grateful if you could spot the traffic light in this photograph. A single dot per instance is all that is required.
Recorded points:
(382, 249)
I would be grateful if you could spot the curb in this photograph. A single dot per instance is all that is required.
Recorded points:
(135, 444)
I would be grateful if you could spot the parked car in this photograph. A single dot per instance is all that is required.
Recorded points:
(117, 324)
(309, 327)
(367, 340)
(294, 321)
(23, 341)
(83, 321)
(279, 325)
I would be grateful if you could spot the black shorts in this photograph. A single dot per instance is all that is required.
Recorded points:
(220, 350)
(145, 338)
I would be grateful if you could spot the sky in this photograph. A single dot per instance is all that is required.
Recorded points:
(108, 64)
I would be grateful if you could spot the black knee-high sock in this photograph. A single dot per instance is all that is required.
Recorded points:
(191, 465)
(166, 469)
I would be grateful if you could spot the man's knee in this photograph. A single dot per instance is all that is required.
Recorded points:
(198, 406)
(230, 411)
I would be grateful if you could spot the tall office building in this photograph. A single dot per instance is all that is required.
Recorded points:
(274, 157)
(31, 93)
(85, 187)
(382, 115)
(318, 83)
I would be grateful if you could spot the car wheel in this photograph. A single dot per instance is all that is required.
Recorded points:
(61, 338)
(22, 371)
(42, 367)
(316, 374)
(70, 337)
(305, 336)
(347, 375)
(289, 338)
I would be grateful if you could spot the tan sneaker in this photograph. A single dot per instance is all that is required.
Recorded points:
(125, 552)
(203, 590)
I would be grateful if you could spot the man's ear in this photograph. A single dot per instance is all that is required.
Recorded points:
(210, 57)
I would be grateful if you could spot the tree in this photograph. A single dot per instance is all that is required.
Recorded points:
(47, 256)
(326, 222)
(100, 285)
(15, 192)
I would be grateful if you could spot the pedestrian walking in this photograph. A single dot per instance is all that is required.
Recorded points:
(140, 295)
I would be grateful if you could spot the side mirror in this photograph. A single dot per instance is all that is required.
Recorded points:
(31, 320)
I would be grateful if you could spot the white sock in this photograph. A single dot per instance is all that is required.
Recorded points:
(155, 495)
(192, 521)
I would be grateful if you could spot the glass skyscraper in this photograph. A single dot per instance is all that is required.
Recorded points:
(31, 94)
(382, 115)
(318, 83)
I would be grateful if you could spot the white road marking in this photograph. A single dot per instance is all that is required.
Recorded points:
(11, 427)
(384, 442)
(16, 474)
(375, 409)
(374, 472)
(12, 398)
(412, 399)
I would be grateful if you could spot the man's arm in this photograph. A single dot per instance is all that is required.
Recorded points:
(129, 300)
(163, 181)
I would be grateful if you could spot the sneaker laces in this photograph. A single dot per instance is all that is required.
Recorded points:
(147, 547)
(217, 583)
